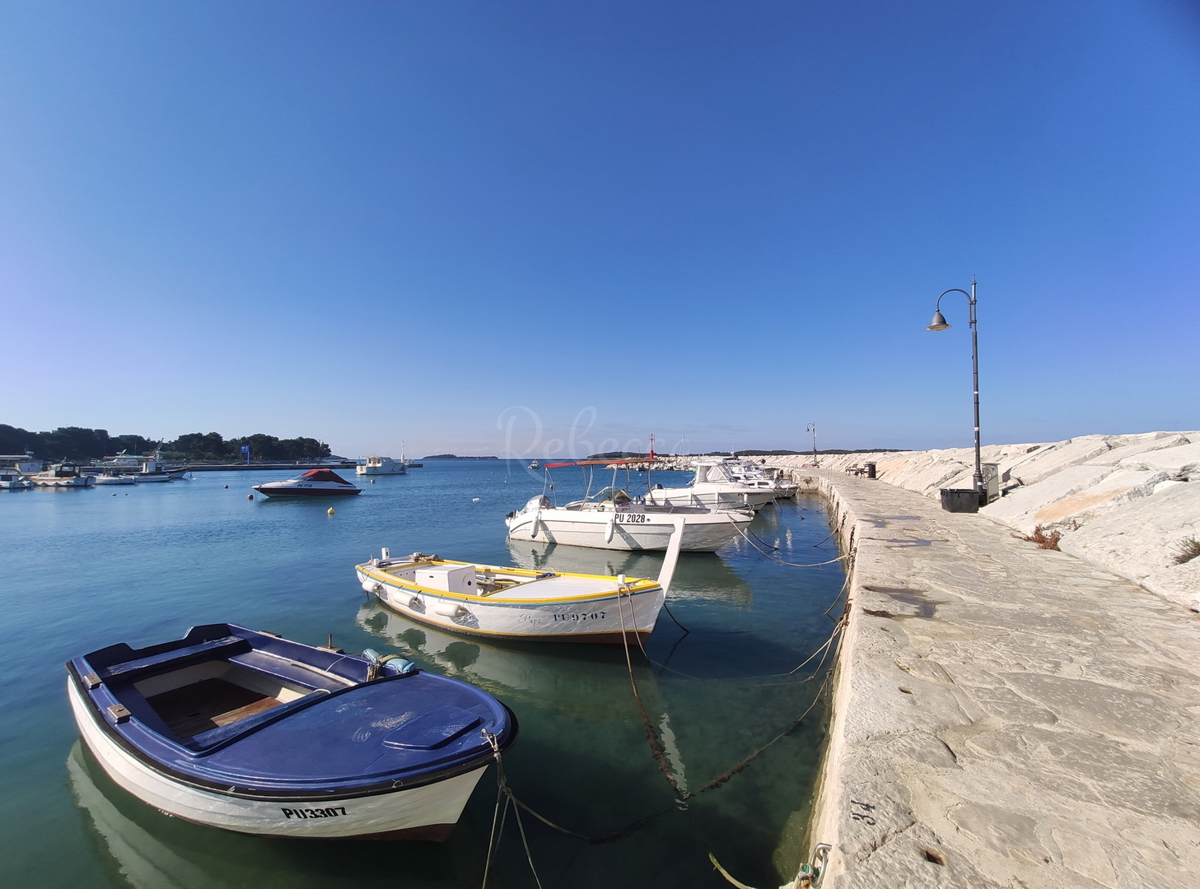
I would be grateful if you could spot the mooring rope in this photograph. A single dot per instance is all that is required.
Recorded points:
(781, 561)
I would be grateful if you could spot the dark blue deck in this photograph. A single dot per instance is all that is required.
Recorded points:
(337, 740)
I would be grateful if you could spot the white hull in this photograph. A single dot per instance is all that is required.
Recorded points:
(380, 466)
(80, 482)
(413, 810)
(624, 531)
(598, 619)
(712, 498)
(115, 480)
(149, 477)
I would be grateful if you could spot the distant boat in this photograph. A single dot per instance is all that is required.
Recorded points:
(246, 731)
(719, 483)
(413, 464)
(314, 483)
(107, 479)
(613, 519)
(23, 464)
(13, 481)
(380, 466)
(62, 475)
(534, 464)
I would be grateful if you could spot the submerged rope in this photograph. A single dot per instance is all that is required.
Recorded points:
(781, 561)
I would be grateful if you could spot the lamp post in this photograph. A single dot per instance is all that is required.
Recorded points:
(812, 427)
(939, 323)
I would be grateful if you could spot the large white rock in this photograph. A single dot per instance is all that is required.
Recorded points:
(1154, 441)
(1109, 493)
(1021, 507)
(1183, 460)
(1140, 541)
(1051, 460)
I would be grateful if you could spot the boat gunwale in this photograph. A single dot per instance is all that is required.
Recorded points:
(230, 786)
(639, 586)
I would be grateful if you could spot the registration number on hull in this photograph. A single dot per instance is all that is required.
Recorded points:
(632, 518)
(328, 812)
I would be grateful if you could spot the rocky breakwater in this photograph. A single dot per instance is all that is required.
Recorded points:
(1127, 503)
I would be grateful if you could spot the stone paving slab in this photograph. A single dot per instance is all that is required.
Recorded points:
(1004, 716)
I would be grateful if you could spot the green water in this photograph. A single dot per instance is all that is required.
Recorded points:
(83, 569)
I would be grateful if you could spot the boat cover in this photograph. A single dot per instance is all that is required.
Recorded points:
(378, 735)
(323, 475)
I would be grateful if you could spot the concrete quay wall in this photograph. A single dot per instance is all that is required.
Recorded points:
(1002, 715)
(1126, 503)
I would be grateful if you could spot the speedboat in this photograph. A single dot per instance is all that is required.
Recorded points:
(109, 479)
(246, 731)
(719, 483)
(62, 475)
(13, 481)
(314, 483)
(519, 603)
(380, 466)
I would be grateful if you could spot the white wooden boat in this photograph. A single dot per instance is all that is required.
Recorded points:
(717, 485)
(245, 731)
(109, 479)
(519, 603)
(376, 465)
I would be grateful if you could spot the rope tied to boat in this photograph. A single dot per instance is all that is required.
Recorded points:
(775, 558)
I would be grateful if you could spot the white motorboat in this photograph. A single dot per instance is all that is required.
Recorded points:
(614, 520)
(719, 483)
(520, 603)
(62, 475)
(314, 483)
(22, 464)
(13, 481)
(109, 479)
(376, 465)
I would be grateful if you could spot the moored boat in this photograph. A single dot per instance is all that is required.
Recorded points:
(376, 465)
(314, 483)
(108, 479)
(719, 483)
(614, 520)
(13, 481)
(245, 731)
(519, 603)
(62, 475)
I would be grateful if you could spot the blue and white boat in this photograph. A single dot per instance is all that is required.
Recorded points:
(246, 731)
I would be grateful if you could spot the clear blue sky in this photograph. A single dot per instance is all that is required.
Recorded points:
(376, 222)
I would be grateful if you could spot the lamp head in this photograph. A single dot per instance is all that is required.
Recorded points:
(938, 322)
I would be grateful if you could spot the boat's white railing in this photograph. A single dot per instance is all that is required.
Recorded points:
(668, 569)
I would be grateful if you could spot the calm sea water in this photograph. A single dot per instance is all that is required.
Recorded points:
(84, 569)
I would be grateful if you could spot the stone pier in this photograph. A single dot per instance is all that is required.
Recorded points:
(1003, 715)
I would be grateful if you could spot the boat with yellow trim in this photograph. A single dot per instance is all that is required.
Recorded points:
(519, 603)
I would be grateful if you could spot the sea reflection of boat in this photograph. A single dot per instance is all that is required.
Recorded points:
(568, 678)
(697, 575)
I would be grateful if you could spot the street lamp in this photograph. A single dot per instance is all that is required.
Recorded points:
(939, 323)
(812, 427)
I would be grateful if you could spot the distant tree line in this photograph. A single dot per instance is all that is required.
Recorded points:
(79, 443)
